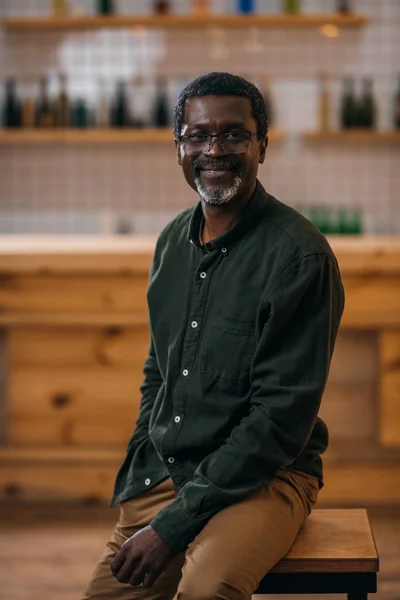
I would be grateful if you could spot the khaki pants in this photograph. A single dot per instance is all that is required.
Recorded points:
(228, 558)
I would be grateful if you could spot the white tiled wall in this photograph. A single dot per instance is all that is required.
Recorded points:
(87, 189)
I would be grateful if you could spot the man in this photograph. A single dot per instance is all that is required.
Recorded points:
(245, 300)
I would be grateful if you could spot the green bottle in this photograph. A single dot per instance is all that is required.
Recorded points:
(366, 111)
(81, 116)
(343, 227)
(291, 6)
(396, 111)
(105, 7)
(348, 106)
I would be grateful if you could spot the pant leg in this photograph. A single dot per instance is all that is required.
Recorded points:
(135, 514)
(242, 542)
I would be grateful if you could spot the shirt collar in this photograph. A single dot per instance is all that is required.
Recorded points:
(247, 219)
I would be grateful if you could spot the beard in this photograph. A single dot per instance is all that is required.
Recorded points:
(217, 194)
(214, 194)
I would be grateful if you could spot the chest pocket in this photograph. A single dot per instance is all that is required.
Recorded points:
(227, 351)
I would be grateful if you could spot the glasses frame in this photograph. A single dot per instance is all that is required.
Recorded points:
(183, 138)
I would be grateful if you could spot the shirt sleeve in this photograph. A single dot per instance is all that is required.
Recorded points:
(149, 389)
(288, 376)
(150, 385)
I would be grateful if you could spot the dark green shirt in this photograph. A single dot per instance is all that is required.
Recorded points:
(242, 334)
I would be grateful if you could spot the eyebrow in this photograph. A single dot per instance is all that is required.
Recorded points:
(227, 124)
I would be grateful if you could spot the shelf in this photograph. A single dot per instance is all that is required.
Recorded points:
(96, 136)
(354, 135)
(183, 21)
(85, 136)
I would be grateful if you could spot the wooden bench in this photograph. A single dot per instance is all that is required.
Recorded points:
(334, 553)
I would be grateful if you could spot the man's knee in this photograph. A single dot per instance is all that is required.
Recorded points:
(201, 585)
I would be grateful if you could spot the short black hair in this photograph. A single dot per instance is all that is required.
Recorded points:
(223, 84)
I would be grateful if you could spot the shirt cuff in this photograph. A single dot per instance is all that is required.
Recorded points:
(175, 527)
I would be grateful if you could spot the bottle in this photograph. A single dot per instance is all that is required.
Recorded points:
(161, 108)
(103, 112)
(343, 7)
(245, 7)
(119, 109)
(28, 105)
(105, 7)
(323, 103)
(44, 113)
(201, 7)
(396, 112)
(81, 114)
(62, 110)
(12, 106)
(348, 107)
(60, 7)
(266, 94)
(139, 101)
(291, 6)
(366, 110)
(162, 7)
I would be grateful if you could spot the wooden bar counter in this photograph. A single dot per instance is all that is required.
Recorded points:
(74, 335)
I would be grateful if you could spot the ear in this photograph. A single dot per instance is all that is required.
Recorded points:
(178, 153)
(263, 149)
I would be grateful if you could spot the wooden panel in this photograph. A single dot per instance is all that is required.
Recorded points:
(373, 484)
(78, 347)
(99, 318)
(73, 406)
(360, 451)
(58, 473)
(27, 474)
(46, 482)
(349, 412)
(4, 373)
(355, 359)
(79, 254)
(189, 20)
(356, 135)
(357, 255)
(371, 302)
(85, 294)
(389, 421)
(332, 541)
(351, 392)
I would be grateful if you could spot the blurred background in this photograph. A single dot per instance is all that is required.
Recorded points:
(88, 178)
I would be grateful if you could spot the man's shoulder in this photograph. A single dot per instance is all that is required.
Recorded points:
(286, 228)
(176, 228)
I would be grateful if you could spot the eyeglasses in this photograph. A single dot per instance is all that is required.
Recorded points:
(233, 142)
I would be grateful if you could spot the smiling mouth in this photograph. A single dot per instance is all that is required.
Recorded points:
(217, 170)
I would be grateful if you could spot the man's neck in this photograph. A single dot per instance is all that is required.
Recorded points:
(219, 218)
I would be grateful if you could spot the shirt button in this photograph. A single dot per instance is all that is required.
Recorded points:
(194, 324)
(185, 372)
(203, 274)
(177, 419)
(147, 482)
(224, 250)
(171, 460)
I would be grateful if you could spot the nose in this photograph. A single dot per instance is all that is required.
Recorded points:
(215, 148)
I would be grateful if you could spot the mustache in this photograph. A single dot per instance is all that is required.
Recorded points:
(202, 162)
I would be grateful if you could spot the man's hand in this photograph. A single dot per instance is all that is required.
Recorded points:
(141, 558)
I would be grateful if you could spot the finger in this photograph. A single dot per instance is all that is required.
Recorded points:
(150, 578)
(125, 571)
(138, 575)
(117, 561)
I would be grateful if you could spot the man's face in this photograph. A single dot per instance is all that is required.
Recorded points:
(219, 176)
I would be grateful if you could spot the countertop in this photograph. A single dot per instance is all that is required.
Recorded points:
(46, 254)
